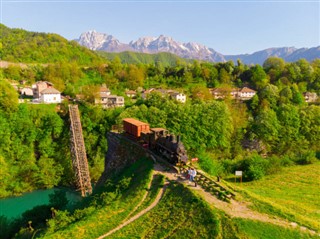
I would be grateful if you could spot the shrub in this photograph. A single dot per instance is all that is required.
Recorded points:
(254, 167)
(209, 165)
(306, 157)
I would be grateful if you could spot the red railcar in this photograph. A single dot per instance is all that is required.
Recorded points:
(156, 139)
(135, 127)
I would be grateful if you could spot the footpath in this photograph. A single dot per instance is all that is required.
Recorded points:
(232, 209)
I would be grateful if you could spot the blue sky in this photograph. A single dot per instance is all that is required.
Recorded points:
(229, 27)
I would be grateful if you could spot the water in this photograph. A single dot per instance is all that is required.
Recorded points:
(14, 206)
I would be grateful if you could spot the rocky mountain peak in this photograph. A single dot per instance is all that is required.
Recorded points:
(190, 50)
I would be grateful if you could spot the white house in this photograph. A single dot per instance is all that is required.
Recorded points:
(109, 101)
(246, 93)
(131, 93)
(50, 96)
(178, 96)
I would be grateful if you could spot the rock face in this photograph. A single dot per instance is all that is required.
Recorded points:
(104, 42)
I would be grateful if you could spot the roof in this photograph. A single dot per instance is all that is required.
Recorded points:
(246, 89)
(134, 121)
(103, 89)
(50, 91)
(104, 95)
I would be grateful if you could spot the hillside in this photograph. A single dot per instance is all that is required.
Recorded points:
(127, 57)
(32, 47)
(140, 203)
(292, 193)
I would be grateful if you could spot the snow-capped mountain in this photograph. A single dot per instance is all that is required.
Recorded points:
(142, 43)
(103, 42)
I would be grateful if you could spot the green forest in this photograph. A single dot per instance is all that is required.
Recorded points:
(273, 130)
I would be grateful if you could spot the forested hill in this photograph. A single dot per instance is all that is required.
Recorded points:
(18, 45)
(127, 57)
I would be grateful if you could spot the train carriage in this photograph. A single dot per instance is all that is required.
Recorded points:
(157, 139)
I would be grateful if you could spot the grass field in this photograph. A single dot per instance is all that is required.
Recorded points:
(180, 214)
(259, 230)
(293, 193)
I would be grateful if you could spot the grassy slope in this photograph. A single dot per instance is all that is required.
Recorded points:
(259, 230)
(180, 214)
(105, 218)
(292, 193)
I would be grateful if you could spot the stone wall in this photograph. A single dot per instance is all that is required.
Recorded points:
(121, 152)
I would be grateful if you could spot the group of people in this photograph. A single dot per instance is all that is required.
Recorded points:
(191, 175)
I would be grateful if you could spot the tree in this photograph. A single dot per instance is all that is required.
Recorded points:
(224, 77)
(275, 63)
(270, 93)
(49, 173)
(285, 95)
(289, 120)
(8, 97)
(135, 77)
(266, 126)
(201, 92)
(258, 77)
(310, 125)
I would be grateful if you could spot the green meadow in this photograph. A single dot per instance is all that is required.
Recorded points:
(292, 193)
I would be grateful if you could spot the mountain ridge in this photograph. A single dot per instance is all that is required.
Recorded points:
(190, 50)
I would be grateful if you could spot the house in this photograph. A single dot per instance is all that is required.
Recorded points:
(104, 91)
(145, 93)
(26, 91)
(178, 96)
(50, 96)
(244, 93)
(171, 93)
(310, 97)
(39, 86)
(109, 101)
(131, 93)
(221, 93)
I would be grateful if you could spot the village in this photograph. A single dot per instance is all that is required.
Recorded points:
(43, 92)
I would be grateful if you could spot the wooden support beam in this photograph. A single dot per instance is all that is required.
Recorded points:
(78, 153)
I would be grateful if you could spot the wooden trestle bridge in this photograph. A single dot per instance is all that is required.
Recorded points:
(78, 152)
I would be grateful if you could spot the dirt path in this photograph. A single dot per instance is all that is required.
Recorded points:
(126, 222)
(234, 208)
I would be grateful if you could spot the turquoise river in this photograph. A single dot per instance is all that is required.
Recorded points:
(13, 207)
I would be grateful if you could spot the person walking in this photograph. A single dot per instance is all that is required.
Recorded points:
(193, 173)
(188, 174)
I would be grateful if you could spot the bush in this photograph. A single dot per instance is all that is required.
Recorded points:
(209, 165)
(307, 157)
(255, 167)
